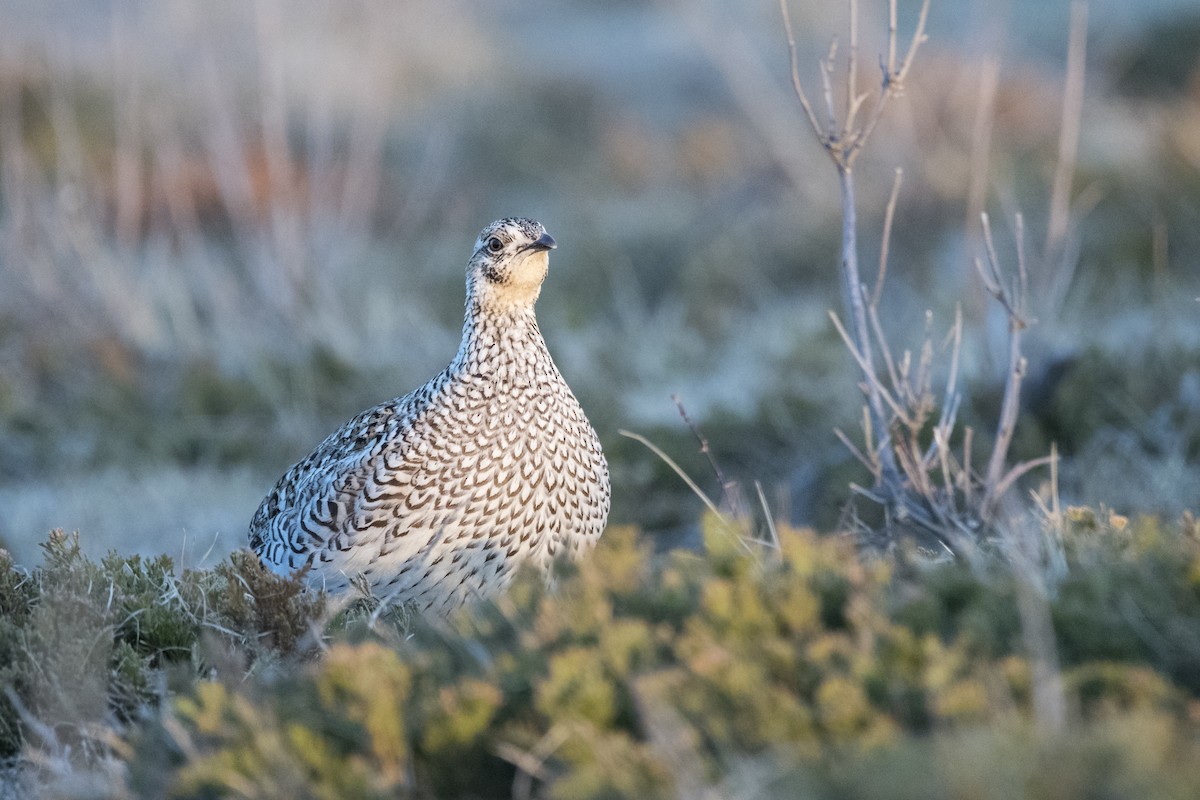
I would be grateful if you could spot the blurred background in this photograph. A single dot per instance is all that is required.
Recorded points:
(227, 227)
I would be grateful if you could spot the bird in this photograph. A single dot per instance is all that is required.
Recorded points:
(436, 498)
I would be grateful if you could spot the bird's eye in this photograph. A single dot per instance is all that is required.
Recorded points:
(494, 245)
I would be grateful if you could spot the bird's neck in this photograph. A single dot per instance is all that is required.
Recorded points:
(501, 341)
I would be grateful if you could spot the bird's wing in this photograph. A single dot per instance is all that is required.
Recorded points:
(310, 503)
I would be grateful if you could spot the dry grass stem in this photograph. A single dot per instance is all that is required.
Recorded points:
(670, 462)
(767, 515)
(854, 451)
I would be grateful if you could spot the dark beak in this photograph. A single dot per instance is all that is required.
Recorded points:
(544, 242)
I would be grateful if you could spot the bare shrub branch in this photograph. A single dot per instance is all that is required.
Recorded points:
(909, 432)
(843, 141)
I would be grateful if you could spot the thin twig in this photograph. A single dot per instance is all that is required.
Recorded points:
(884, 349)
(704, 448)
(993, 281)
(852, 70)
(855, 304)
(922, 395)
(1055, 507)
(891, 51)
(875, 385)
(797, 85)
(992, 277)
(968, 486)
(950, 399)
(869, 439)
(1016, 472)
(870, 494)
(1010, 405)
(888, 215)
(827, 66)
(948, 421)
(893, 84)
(767, 515)
(854, 451)
(1009, 409)
(859, 101)
(1022, 271)
(910, 462)
(943, 450)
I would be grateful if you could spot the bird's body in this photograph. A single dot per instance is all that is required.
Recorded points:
(438, 496)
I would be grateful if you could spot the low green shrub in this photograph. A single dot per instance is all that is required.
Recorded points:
(814, 670)
(85, 644)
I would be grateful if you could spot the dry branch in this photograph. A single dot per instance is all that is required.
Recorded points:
(920, 480)
(843, 140)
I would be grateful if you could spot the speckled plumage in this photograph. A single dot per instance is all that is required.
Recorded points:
(437, 496)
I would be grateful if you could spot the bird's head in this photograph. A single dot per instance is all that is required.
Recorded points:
(508, 264)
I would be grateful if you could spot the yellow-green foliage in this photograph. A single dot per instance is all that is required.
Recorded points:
(813, 670)
(347, 740)
(83, 644)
